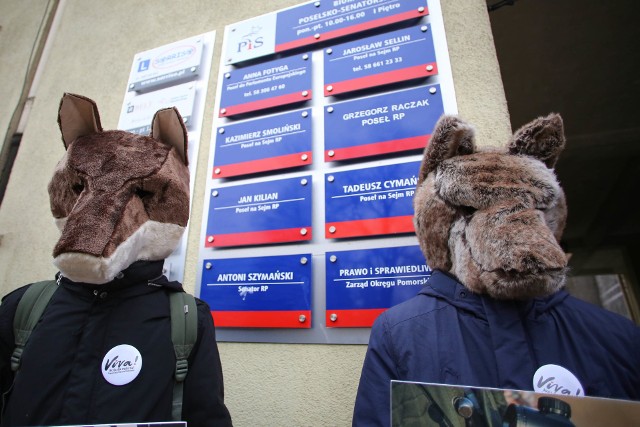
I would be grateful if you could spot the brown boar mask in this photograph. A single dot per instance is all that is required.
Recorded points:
(493, 217)
(117, 197)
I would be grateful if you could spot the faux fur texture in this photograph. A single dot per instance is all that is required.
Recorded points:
(493, 218)
(152, 241)
(118, 197)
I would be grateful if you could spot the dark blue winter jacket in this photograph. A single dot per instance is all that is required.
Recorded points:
(446, 334)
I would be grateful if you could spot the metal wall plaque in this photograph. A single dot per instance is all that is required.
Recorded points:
(390, 77)
(319, 21)
(381, 124)
(269, 84)
(269, 143)
(393, 57)
(263, 292)
(138, 111)
(370, 201)
(254, 214)
(166, 65)
(361, 284)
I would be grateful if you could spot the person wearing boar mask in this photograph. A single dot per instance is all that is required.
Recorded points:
(494, 312)
(103, 351)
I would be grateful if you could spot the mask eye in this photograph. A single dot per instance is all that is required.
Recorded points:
(467, 210)
(78, 187)
(142, 194)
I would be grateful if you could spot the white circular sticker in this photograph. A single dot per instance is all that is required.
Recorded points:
(121, 365)
(555, 379)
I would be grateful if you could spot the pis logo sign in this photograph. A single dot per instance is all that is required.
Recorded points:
(250, 41)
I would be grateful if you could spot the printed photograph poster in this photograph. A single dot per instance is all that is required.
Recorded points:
(370, 201)
(361, 284)
(387, 123)
(166, 65)
(269, 143)
(260, 213)
(262, 292)
(397, 56)
(320, 21)
(424, 404)
(158, 424)
(269, 84)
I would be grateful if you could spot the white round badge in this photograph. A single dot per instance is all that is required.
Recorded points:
(555, 379)
(121, 365)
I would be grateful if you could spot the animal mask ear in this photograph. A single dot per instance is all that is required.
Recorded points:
(451, 137)
(167, 127)
(77, 116)
(542, 139)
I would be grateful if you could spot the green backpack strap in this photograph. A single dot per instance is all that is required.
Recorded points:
(184, 332)
(28, 313)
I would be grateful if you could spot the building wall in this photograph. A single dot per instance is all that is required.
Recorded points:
(19, 41)
(90, 54)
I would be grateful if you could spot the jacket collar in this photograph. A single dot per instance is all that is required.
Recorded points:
(445, 286)
(140, 277)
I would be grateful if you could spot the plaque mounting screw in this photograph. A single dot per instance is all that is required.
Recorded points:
(329, 51)
(221, 130)
(217, 171)
(316, 36)
(210, 239)
(429, 67)
(333, 317)
(304, 157)
(131, 86)
(214, 193)
(208, 266)
(329, 88)
(330, 178)
(305, 114)
(305, 56)
(193, 69)
(317, 4)
(331, 153)
(303, 260)
(424, 28)
(330, 110)
(227, 75)
(333, 258)
(433, 90)
(223, 111)
(332, 229)
(304, 181)
(303, 231)
(421, 9)
(305, 93)
(302, 318)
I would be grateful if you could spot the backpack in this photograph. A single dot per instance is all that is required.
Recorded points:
(184, 330)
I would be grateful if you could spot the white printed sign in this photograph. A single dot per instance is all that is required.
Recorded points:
(166, 65)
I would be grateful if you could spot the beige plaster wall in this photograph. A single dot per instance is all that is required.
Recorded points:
(91, 54)
(19, 24)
